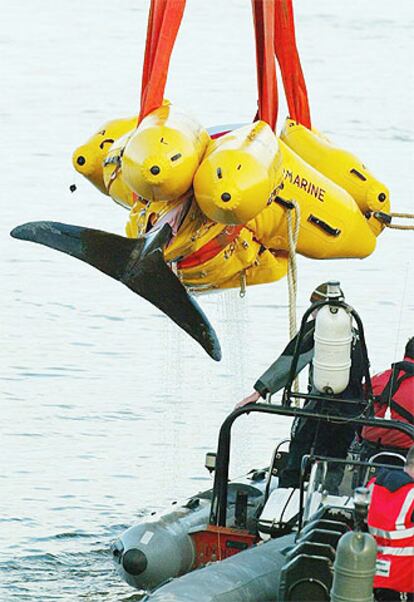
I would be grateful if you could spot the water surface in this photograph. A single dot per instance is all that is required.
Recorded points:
(107, 409)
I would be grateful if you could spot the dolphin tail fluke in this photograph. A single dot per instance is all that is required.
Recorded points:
(139, 264)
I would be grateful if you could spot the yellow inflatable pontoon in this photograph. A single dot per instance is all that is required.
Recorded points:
(238, 174)
(213, 214)
(162, 155)
(340, 166)
(233, 227)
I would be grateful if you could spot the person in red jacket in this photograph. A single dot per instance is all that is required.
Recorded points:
(394, 390)
(391, 522)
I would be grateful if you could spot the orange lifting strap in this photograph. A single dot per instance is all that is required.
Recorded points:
(289, 62)
(275, 34)
(164, 20)
(264, 26)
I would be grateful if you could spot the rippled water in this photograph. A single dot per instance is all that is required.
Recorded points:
(108, 410)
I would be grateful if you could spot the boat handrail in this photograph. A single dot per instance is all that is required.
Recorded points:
(386, 453)
(308, 459)
(270, 475)
(219, 499)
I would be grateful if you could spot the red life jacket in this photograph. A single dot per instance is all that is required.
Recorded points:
(391, 522)
(396, 388)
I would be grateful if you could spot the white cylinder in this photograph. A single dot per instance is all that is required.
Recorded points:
(332, 358)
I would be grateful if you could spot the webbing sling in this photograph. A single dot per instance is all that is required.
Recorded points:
(163, 24)
(289, 62)
(275, 34)
(264, 27)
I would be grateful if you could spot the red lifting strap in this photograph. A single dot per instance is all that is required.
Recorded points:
(164, 20)
(289, 62)
(264, 26)
(211, 249)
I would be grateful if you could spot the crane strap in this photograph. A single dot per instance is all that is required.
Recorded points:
(264, 27)
(274, 28)
(164, 21)
(274, 33)
(289, 62)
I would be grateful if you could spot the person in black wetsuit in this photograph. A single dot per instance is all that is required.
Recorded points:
(307, 435)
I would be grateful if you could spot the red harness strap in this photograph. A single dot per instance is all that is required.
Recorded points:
(164, 20)
(264, 24)
(212, 248)
(275, 34)
(219, 134)
(289, 62)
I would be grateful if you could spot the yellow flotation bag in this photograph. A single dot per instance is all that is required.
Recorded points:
(163, 154)
(339, 165)
(88, 159)
(235, 227)
(331, 223)
(238, 174)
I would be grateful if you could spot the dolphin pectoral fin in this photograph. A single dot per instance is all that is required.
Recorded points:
(139, 264)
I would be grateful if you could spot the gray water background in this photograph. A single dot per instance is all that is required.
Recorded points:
(108, 409)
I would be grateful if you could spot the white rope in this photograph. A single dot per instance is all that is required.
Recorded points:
(399, 226)
(292, 274)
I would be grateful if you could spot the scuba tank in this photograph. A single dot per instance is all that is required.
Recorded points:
(333, 338)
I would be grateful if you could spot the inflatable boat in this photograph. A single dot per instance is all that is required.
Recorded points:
(250, 539)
